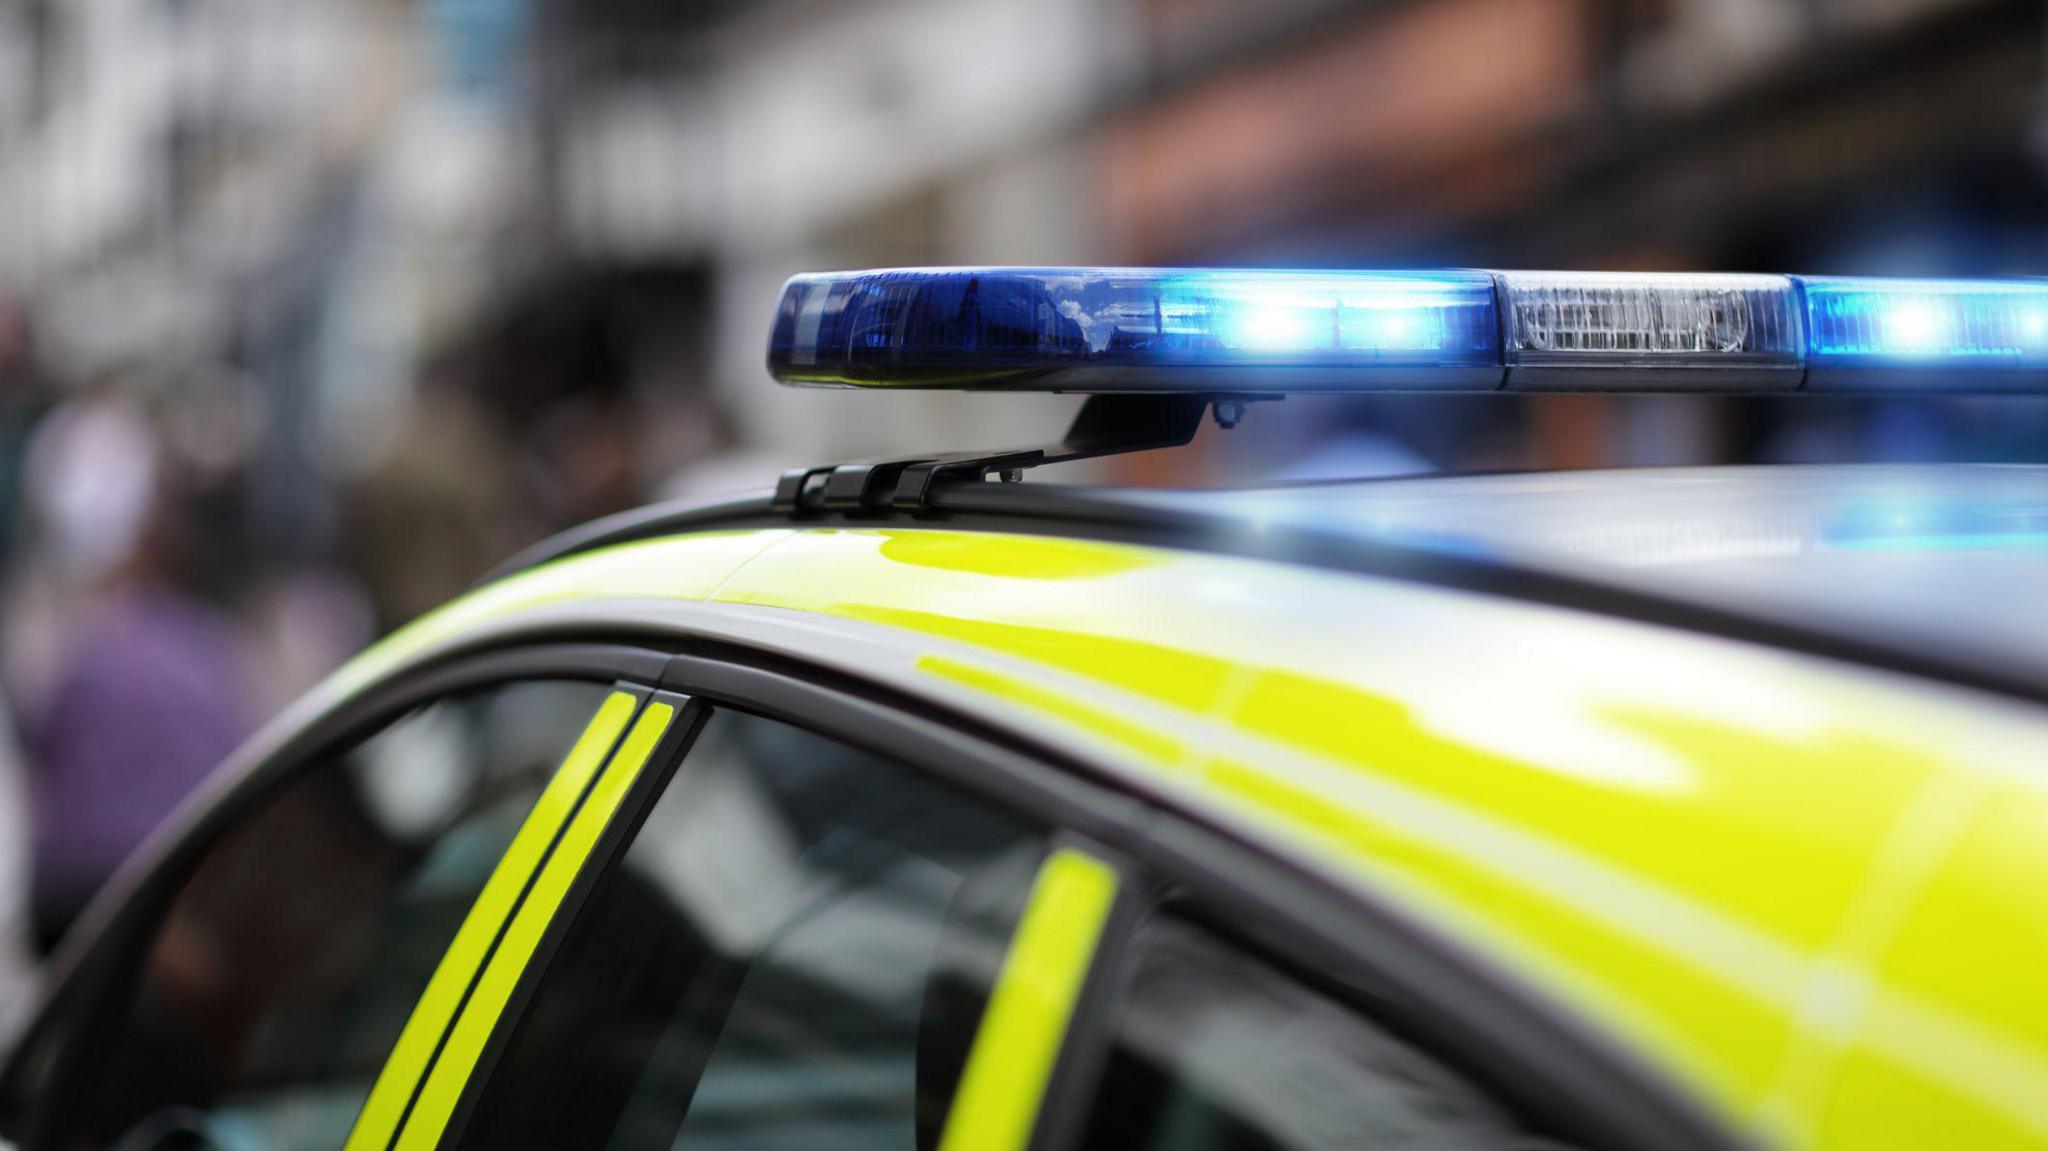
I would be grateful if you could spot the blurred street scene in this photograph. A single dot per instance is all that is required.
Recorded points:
(312, 310)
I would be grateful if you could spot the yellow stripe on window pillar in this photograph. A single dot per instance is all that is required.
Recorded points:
(445, 1083)
(379, 1118)
(1034, 997)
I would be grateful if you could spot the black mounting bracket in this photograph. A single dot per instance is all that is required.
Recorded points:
(1107, 425)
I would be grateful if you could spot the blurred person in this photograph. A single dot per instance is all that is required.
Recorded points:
(17, 944)
(20, 403)
(303, 622)
(710, 460)
(436, 510)
(583, 449)
(301, 613)
(134, 687)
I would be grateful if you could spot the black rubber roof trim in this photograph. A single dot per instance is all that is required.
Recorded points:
(1097, 513)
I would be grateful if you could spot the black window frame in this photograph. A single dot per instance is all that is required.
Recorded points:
(106, 943)
(1459, 1006)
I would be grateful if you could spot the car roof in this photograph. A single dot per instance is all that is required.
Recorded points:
(1932, 569)
(1947, 559)
(1685, 841)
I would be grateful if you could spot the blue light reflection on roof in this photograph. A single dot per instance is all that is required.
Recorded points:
(1934, 558)
(1909, 526)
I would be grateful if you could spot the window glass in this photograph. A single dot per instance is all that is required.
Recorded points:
(290, 956)
(1216, 1051)
(793, 952)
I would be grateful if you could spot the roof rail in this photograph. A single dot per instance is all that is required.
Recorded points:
(1106, 425)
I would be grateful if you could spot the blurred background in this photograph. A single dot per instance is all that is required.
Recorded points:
(312, 310)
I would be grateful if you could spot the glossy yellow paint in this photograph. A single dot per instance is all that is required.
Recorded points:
(466, 1039)
(1019, 1040)
(689, 568)
(379, 1118)
(1766, 873)
(1948, 1051)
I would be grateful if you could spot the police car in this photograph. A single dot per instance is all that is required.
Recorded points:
(1700, 809)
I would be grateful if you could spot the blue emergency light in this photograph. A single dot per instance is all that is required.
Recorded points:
(1254, 332)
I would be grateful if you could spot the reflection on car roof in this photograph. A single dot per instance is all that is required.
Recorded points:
(1942, 557)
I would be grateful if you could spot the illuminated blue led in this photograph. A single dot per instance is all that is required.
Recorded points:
(1343, 318)
(1872, 322)
(1008, 327)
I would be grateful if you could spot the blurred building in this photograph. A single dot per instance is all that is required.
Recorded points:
(380, 290)
(578, 213)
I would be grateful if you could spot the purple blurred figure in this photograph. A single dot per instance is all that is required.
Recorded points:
(143, 689)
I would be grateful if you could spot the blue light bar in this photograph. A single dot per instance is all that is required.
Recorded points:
(1872, 332)
(1219, 331)
(1115, 329)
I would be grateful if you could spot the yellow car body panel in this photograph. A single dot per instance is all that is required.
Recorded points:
(1807, 891)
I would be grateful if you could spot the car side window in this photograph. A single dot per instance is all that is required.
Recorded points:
(794, 951)
(287, 958)
(1215, 1049)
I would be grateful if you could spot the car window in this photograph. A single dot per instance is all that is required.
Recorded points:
(1216, 1050)
(259, 1010)
(794, 951)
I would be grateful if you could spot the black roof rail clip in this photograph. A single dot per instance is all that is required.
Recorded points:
(1107, 425)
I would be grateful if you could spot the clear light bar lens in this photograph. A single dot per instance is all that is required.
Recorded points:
(978, 324)
(1620, 319)
(1875, 322)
